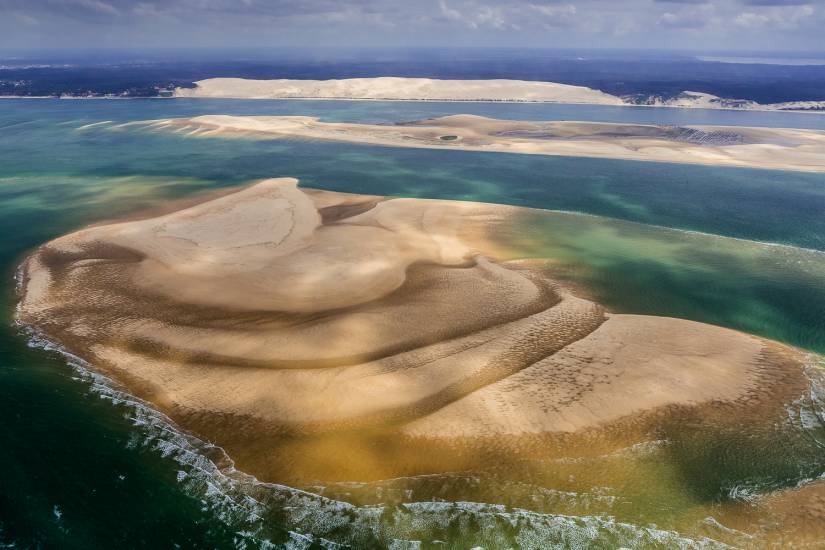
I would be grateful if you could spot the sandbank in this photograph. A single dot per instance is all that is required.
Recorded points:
(278, 312)
(768, 148)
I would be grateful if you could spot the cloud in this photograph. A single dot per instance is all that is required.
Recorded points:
(450, 13)
(696, 16)
(723, 24)
(778, 18)
(475, 15)
(83, 9)
(778, 2)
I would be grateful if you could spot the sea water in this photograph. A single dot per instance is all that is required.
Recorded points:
(84, 465)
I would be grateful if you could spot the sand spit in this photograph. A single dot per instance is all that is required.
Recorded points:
(770, 148)
(398, 88)
(276, 318)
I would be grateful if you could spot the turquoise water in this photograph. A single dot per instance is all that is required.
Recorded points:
(77, 472)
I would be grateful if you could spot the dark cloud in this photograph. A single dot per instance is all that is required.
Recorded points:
(780, 2)
(542, 23)
(129, 9)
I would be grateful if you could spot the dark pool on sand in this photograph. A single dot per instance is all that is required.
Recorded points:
(75, 470)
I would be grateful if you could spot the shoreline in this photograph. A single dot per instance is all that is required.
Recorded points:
(436, 89)
(223, 485)
(482, 101)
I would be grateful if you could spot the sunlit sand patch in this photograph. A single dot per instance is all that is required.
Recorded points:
(323, 337)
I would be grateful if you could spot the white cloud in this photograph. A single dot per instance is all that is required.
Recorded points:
(449, 12)
(783, 17)
(475, 15)
(695, 16)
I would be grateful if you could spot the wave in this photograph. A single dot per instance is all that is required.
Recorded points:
(93, 125)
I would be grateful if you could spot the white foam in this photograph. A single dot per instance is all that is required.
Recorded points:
(93, 125)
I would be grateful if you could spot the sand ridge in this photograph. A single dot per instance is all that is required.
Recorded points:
(770, 148)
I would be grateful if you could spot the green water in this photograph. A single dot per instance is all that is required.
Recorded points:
(77, 471)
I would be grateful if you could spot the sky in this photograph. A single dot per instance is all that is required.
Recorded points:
(692, 25)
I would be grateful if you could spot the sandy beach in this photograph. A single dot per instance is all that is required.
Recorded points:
(769, 148)
(277, 312)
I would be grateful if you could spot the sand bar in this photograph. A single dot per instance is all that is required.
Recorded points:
(769, 148)
(279, 312)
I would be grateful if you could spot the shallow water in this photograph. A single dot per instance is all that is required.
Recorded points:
(82, 466)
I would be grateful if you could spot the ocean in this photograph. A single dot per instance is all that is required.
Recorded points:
(84, 465)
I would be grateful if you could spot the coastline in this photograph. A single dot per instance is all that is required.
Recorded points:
(482, 101)
(493, 90)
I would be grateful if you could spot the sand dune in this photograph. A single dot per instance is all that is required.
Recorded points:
(276, 312)
(397, 88)
(774, 148)
(430, 89)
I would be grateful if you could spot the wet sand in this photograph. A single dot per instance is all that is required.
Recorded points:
(276, 313)
(770, 148)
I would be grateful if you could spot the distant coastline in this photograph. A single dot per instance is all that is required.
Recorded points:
(625, 105)
(443, 91)
(495, 90)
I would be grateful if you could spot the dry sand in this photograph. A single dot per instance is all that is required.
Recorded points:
(277, 312)
(397, 88)
(773, 148)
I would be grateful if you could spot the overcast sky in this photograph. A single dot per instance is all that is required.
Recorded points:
(769, 25)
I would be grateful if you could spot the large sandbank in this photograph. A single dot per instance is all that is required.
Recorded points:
(275, 313)
(771, 148)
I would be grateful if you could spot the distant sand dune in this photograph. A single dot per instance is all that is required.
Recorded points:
(398, 88)
(432, 89)
(275, 313)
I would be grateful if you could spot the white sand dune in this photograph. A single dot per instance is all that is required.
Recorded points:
(431, 89)
(397, 88)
